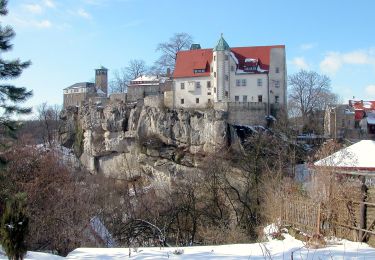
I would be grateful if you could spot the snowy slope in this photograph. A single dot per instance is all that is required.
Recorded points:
(275, 250)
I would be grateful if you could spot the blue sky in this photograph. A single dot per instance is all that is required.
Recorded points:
(67, 39)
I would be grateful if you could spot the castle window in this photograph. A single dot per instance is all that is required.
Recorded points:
(226, 57)
(197, 84)
(226, 94)
(244, 98)
(182, 85)
(197, 100)
(182, 101)
(226, 77)
(243, 82)
(208, 93)
(214, 90)
(214, 58)
(259, 82)
(277, 83)
(277, 70)
(277, 98)
(260, 98)
(238, 82)
(215, 74)
(208, 84)
(237, 98)
(232, 68)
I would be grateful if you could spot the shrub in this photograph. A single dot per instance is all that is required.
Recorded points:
(14, 227)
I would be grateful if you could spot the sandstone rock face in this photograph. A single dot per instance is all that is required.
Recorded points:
(129, 141)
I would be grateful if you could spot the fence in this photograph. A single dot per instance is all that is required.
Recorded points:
(343, 218)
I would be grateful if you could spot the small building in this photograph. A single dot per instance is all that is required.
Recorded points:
(339, 121)
(147, 85)
(355, 159)
(79, 93)
(365, 112)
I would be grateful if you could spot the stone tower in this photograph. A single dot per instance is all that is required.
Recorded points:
(221, 70)
(101, 79)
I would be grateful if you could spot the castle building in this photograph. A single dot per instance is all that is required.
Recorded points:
(230, 74)
(78, 93)
(147, 85)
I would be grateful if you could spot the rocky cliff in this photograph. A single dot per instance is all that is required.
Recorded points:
(129, 141)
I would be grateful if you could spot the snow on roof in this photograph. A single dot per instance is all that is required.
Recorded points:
(81, 85)
(371, 118)
(367, 104)
(260, 70)
(251, 60)
(234, 57)
(359, 155)
(147, 78)
(99, 91)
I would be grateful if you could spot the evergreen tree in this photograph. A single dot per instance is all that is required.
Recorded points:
(10, 96)
(14, 226)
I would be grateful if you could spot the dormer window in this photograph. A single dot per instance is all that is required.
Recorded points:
(199, 71)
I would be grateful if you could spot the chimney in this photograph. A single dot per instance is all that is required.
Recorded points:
(168, 72)
(195, 46)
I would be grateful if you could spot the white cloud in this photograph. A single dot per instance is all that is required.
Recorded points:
(307, 46)
(49, 3)
(103, 2)
(370, 90)
(333, 61)
(43, 24)
(21, 22)
(81, 12)
(300, 63)
(33, 8)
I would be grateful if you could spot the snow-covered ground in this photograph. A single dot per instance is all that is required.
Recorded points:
(274, 249)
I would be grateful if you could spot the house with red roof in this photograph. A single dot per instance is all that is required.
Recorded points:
(365, 114)
(230, 75)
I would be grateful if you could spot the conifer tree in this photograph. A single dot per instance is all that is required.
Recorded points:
(14, 227)
(10, 96)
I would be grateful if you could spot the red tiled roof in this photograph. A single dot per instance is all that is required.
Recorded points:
(189, 60)
(362, 105)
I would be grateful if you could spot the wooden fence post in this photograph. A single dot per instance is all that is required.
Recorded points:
(362, 210)
(318, 219)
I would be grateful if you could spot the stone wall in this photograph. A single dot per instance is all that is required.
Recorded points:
(76, 99)
(138, 92)
(119, 97)
(154, 101)
(247, 113)
(221, 106)
(168, 99)
(244, 113)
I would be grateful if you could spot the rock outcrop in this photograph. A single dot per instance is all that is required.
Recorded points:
(129, 141)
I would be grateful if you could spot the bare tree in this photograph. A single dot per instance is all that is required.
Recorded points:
(122, 77)
(169, 50)
(310, 93)
(48, 115)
